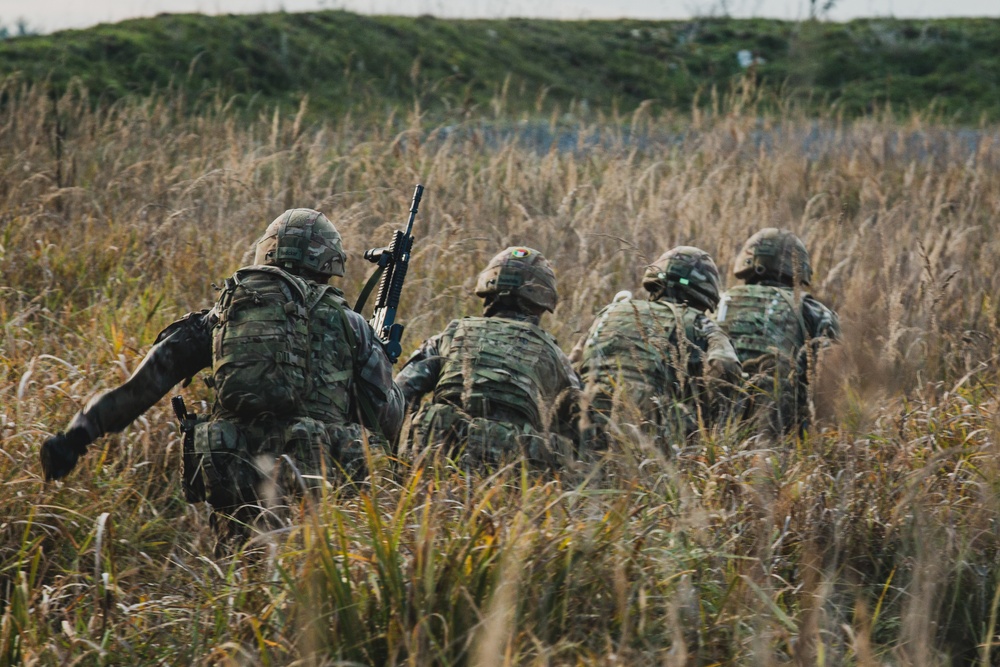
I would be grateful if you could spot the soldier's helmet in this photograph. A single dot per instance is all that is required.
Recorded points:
(520, 272)
(774, 254)
(303, 242)
(684, 274)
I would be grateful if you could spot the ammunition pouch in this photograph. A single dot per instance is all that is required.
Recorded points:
(222, 471)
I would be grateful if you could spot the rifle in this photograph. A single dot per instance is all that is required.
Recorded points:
(392, 263)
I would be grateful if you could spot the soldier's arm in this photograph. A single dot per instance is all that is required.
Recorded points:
(721, 360)
(723, 374)
(374, 381)
(822, 324)
(180, 351)
(822, 331)
(422, 370)
(568, 399)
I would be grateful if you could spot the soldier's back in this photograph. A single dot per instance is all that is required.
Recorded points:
(764, 323)
(498, 395)
(500, 368)
(766, 327)
(283, 364)
(642, 363)
(628, 349)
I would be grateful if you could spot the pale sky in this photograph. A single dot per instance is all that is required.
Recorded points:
(50, 15)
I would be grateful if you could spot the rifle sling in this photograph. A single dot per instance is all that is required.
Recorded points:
(369, 286)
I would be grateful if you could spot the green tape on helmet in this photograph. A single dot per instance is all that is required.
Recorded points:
(684, 274)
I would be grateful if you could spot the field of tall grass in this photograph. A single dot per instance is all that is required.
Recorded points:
(873, 541)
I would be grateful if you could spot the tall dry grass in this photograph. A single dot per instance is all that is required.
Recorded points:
(872, 541)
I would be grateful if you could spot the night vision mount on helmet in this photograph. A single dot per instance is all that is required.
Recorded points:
(520, 272)
(685, 274)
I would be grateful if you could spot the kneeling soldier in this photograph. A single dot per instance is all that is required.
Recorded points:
(500, 386)
(777, 328)
(292, 369)
(659, 363)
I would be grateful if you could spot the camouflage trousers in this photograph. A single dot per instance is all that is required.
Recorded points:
(479, 440)
(248, 473)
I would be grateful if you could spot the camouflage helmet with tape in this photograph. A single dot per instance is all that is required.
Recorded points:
(774, 254)
(684, 274)
(303, 242)
(520, 272)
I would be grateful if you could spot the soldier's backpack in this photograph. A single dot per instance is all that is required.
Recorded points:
(260, 345)
(766, 327)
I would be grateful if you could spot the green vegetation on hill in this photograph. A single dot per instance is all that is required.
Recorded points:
(342, 60)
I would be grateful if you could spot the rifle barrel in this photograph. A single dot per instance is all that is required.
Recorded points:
(418, 192)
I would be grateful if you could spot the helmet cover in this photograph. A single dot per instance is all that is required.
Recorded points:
(520, 272)
(303, 242)
(775, 254)
(685, 274)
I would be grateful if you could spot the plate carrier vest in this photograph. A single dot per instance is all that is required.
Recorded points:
(635, 344)
(764, 323)
(492, 370)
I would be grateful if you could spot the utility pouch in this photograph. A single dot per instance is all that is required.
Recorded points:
(219, 461)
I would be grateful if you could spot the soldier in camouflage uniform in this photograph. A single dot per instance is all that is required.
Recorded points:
(500, 385)
(661, 363)
(293, 367)
(777, 328)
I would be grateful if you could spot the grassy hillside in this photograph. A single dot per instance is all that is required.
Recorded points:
(344, 60)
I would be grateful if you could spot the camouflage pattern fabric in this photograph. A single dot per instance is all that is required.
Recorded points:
(500, 387)
(775, 332)
(662, 366)
(346, 364)
(481, 440)
(302, 241)
(261, 346)
(521, 274)
(283, 336)
(251, 472)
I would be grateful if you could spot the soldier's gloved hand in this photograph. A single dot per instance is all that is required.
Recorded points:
(61, 452)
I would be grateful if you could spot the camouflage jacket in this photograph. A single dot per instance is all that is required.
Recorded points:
(503, 367)
(185, 347)
(773, 321)
(657, 354)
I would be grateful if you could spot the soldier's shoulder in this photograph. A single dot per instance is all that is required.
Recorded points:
(510, 325)
(551, 339)
(821, 319)
(453, 325)
(197, 325)
(446, 335)
(256, 275)
(356, 319)
(812, 303)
